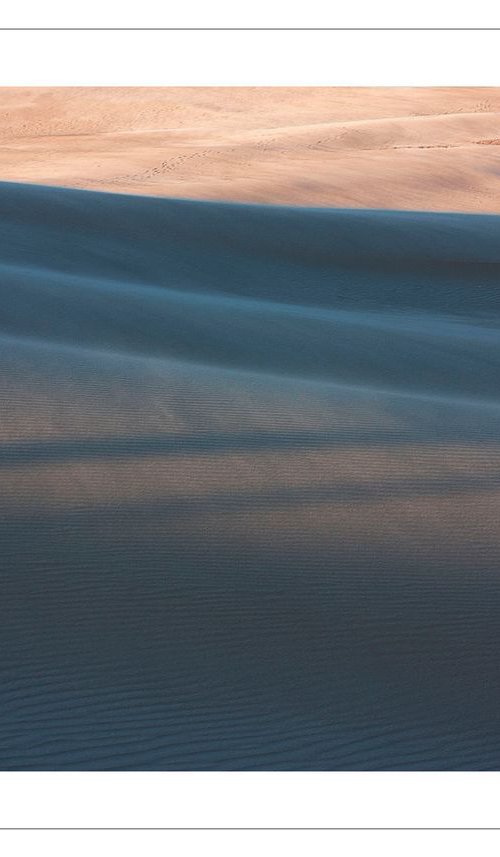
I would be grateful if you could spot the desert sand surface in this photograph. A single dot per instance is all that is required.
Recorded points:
(398, 148)
(250, 483)
(249, 453)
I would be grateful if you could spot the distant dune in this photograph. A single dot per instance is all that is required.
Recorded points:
(398, 148)
(250, 463)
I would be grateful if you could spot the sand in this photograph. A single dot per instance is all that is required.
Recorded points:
(398, 148)
(249, 454)
(250, 470)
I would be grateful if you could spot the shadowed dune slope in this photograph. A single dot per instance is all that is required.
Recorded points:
(250, 485)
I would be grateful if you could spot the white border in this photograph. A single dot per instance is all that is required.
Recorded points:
(248, 843)
(242, 58)
(236, 800)
(258, 13)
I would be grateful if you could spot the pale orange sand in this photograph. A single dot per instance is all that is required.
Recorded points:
(429, 148)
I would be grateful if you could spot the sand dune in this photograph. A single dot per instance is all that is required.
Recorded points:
(398, 148)
(250, 492)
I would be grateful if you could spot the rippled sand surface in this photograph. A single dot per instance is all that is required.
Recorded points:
(250, 485)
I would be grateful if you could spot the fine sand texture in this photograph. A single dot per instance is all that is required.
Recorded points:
(398, 148)
(250, 485)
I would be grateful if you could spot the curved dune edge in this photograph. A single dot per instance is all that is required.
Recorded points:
(250, 469)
